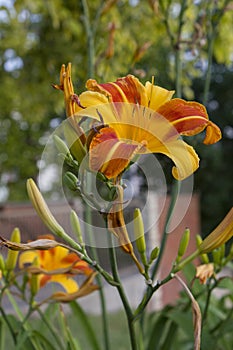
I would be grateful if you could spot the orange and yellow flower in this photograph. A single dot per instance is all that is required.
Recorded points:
(56, 265)
(136, 119)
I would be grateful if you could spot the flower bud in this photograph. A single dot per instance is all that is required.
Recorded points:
(222, 250)
(71, 181)
(183, 244)
(12, 255)
(139, 234)
(75, 224)
(154, 254)
(2, 263)
(139, 231)
(61, 146)
(35, 280)
(216, 253)
(74, 142)
(220, 235)
(203, 257)
(45, 214)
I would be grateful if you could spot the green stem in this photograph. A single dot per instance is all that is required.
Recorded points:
(50, 328)
(174, 196)
(178, 69)
(88, 220)
(90, 39)
(19, 313)
(187, 260)
(207, 303)
(149, 293)
(209, 69)
(127, 308)
(212, 32)
(177, 48)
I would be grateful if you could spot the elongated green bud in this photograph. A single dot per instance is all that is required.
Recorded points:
(139, 235)
(216, 253)
(61, 146)
(12, 255)
(74, 142)
(204, 257)
(2, 263)
(154, 254)
(75, 224)
(71, 181)
(35, 281)
(222, 250)
(183, 244)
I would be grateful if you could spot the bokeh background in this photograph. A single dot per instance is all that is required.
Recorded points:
(189, 50)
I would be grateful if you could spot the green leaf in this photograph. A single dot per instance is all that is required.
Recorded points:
(226, 283)
(157, 328)
(87, 328)
(2, 334)
(73, 343)
(169, 339)
(43, 340)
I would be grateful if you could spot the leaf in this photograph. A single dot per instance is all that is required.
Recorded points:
(169, 339)
(226, 283)
(43, 340)
(156, 332)
(72, 342)
(90, 334)
(2, 335)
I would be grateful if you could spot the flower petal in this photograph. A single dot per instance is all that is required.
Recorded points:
(203, 272)
(69, 284)
(185, 158)
(126, 89)
(108, 154)
(27, 258)
(190, 118)
(91, 98)
(157, 95)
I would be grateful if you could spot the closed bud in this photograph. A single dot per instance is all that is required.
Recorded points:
(35, 281)
(183, 244)
(204, 257)
(223, 250)
(154, 254)
(71, 181)
(12, 255)
(220, 235)
(139, 235)
(75, 224)
(216, 253)
(44, 212)
(2, 263)
(61, 146)
(73, 139)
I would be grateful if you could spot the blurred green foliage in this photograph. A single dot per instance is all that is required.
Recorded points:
(105, 40)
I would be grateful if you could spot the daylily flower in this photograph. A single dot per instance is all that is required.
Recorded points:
(124, 135)
(189, 118)
(131, 130)
(56, 265)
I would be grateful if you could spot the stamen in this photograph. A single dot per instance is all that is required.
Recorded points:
(100, 115)
(76, 99)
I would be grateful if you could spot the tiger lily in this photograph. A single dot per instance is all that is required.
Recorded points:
(56, 265)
